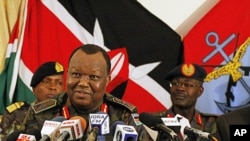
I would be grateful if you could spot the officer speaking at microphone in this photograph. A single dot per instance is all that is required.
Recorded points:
(88, 75)
(186, 86)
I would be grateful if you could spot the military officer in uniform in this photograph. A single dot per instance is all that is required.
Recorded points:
(88, 76)
(46, 83)
(186, 85)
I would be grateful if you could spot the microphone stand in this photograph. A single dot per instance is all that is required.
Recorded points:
(93, 134)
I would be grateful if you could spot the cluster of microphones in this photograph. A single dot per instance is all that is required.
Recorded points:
(61, 129)
(176, 128)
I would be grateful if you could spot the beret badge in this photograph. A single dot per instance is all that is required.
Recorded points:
(188, 69)
(58, 67)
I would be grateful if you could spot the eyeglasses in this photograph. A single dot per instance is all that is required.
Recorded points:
(185, 85)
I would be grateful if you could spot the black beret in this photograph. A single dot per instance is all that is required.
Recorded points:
(46, 69)
(193, 71)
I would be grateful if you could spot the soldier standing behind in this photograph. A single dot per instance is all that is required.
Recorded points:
(46, 82)
(186, 85)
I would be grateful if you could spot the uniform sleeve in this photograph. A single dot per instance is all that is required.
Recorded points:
(222, 131)
(7, 125)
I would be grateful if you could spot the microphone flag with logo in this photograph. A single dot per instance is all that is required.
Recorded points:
(26, 137)
(72, 129)
(100, 120)
(50, 128)
(125, 133)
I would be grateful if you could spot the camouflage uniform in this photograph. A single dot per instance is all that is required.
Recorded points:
(118, 110)
(13, 118)
(22, 117)
(201, 121)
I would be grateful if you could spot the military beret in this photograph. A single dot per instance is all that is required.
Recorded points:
(193, 71)
(46, 69)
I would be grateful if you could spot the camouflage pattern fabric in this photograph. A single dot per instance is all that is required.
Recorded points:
(23, 118)
(13, 120)
(118, 110)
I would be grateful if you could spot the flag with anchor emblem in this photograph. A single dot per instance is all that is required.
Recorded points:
(223, 43)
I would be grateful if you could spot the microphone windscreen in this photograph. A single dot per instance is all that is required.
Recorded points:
(113, 126)
(59, 119)
(14, 135)
(150, 120)
(82, 121)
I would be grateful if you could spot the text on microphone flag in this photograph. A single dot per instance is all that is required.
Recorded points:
(26, 137)
(75, 128)
(100, 120)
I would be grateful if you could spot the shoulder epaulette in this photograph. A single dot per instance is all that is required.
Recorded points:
(13, 107)
(119, 101)
(44, 105)
(58, 100)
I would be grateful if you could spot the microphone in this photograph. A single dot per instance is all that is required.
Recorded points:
(172, 123)
(26, 137)
(113, 126)
(51, 128)
(186, 129)
(99, 126)
(72, 129)
(156, 123)
(125, 132)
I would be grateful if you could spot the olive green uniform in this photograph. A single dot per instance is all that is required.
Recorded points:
(118, 110)
(12, 118)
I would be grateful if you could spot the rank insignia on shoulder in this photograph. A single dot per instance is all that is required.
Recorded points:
(124, 103)
(44, 105)
(13, 107)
